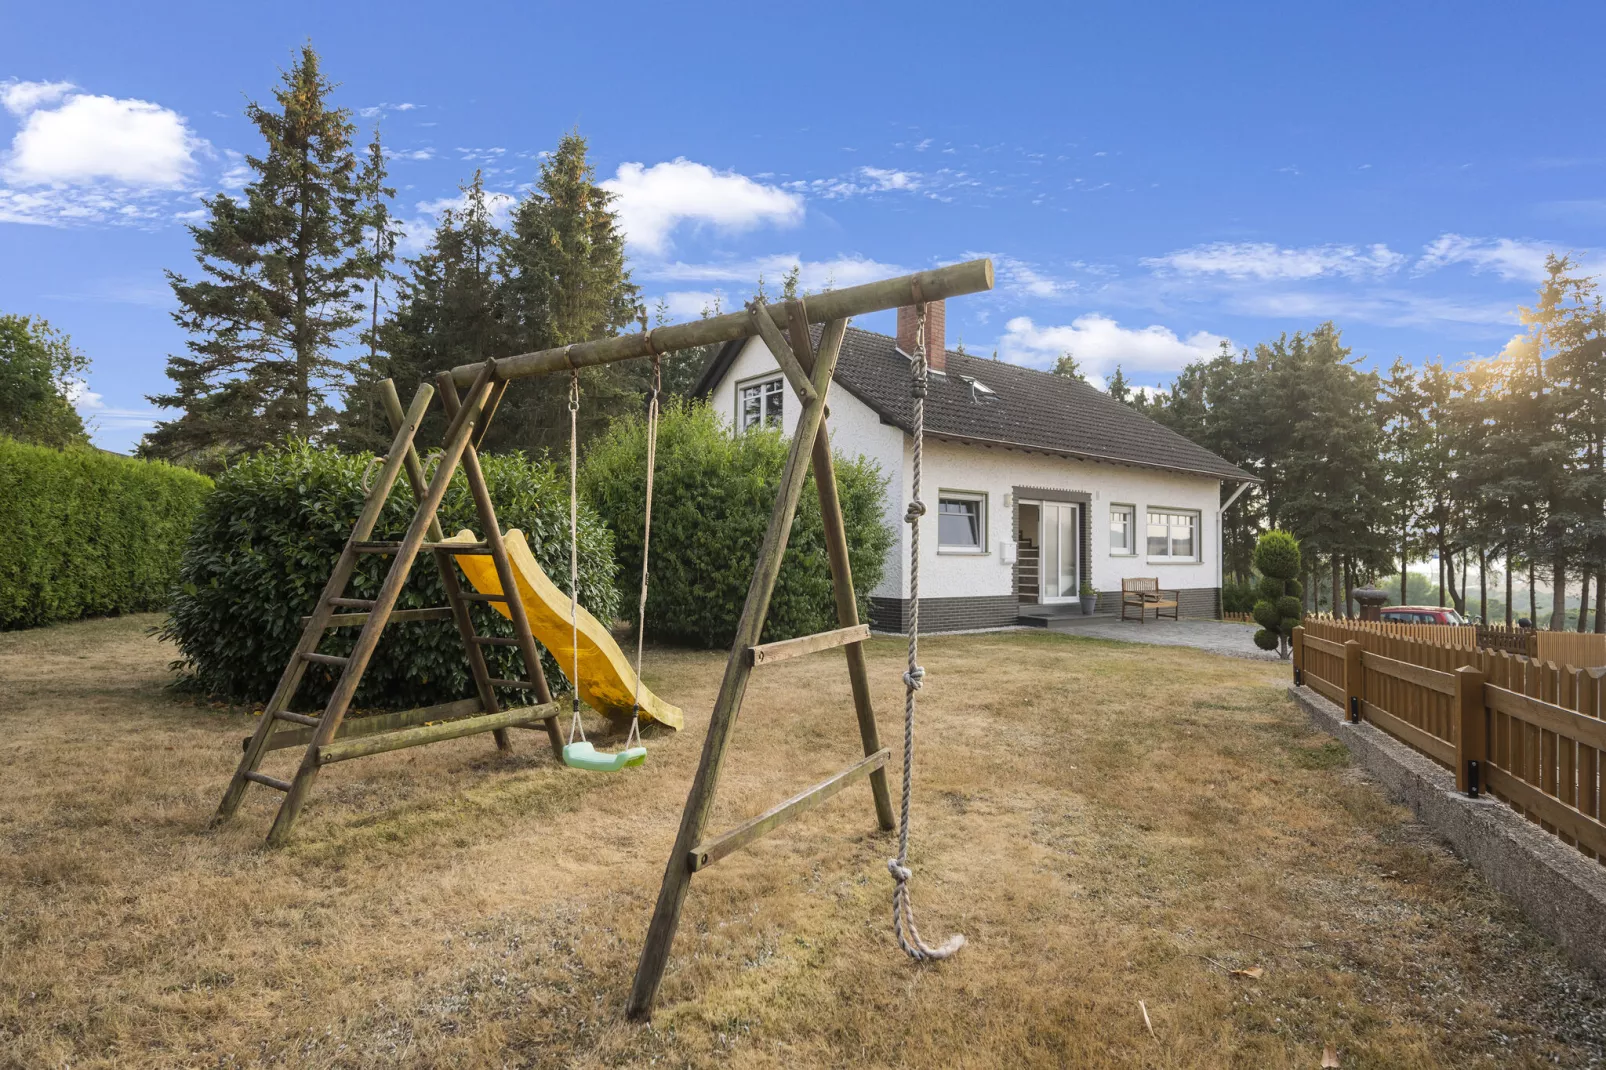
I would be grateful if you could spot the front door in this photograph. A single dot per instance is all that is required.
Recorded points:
(1061, 551)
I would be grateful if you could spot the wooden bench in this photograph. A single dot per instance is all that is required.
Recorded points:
(1142, 593)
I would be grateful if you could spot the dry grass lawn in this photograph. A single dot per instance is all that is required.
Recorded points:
(1106, 823)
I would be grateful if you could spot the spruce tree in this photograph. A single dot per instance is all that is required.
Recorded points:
(564, 280)
(282, 272)
(447, 313)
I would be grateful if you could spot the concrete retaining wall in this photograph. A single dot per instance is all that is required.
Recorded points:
(1559, 890)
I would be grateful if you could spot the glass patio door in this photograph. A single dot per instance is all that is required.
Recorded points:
(1061, 551)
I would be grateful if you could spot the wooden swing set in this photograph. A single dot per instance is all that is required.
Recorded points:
(328, 738)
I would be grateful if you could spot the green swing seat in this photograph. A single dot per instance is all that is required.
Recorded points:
(583, 755)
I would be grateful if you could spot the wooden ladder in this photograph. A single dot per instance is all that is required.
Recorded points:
(327, 737)
(810, 376)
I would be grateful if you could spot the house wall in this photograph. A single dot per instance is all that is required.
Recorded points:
(856, 431)
(961, 591)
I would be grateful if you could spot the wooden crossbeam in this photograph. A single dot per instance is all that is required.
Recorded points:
(770, 653)
(708, 852)
(379, 722)
(344, 750)
(973, 276)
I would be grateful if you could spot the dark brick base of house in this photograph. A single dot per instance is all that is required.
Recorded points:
(1191, 602)
(945, 614)
(1002, 611)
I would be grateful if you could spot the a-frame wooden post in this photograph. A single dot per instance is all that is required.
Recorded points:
(691, 853)
(413, 727)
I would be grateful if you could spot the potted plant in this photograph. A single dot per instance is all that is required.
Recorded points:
(1090, 599)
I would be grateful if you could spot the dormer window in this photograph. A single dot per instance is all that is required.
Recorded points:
(758, 404)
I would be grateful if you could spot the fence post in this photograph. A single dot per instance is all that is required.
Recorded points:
(1299, 656)
(1471, 731)
(1352, 678)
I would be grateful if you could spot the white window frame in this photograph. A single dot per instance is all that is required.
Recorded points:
(1172, 515)
(976, 496)
(1131, 512)
(761, 383)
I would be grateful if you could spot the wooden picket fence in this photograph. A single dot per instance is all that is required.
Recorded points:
(1586, 649)
(1528, 731)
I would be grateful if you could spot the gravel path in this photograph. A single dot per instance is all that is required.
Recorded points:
(1218, 637)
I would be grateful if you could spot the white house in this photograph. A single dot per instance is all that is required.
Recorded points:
(1036, 482)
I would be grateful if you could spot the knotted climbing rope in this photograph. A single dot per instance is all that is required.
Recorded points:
(575, 727)
(903, 908)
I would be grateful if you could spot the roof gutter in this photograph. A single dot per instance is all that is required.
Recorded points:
(1081, 456)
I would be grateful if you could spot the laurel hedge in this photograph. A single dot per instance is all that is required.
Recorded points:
(712, 500)
(270, 534)
(89, 533)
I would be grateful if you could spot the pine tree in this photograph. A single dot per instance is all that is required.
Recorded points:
(362, 423)
(1118, 388)
(1400, 408)
(1069, 367)
(448, 312)
(564, 280)
(282, 270)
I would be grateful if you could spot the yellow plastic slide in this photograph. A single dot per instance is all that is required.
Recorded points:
(607, 683)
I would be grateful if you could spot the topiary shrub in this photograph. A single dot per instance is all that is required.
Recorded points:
(712, 501)
(89, 533)
(269, 536)
(1279, 610)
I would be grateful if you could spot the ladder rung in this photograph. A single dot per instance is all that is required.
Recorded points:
(475, 596)
(376, 547)
(494, 640)
(325, 659)
(298, 718)
(270, 781)
(523, 685)
(353, 603)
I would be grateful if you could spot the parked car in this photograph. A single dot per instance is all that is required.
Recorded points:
(1422, 615)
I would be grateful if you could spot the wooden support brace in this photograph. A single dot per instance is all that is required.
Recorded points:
(379, 722)
(708, 852)
(345, 750)
(770, 653)
(764, 323)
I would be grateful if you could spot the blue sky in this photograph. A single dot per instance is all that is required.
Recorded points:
(1148, 178)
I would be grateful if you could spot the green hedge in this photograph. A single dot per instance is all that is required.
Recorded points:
(269, 536)
(89, 533)
(713, 496)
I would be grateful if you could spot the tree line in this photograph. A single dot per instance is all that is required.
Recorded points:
(1493, 462)
(300, 297)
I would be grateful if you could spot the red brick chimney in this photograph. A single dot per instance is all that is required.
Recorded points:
(936, 342)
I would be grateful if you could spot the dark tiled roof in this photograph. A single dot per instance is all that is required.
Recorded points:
(1027, 408)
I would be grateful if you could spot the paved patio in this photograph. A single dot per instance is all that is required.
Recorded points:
(1218, 637)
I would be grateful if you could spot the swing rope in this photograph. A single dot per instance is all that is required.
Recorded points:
(646, 540)
(903, 907)
(574, 559)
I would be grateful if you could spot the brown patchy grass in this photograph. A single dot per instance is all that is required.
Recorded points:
(1106, 823)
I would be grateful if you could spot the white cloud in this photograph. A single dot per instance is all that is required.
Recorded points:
(653, 201)
(1019, 277)
(20, 98)
(1510, 258)
(1100, 343)
(882, 179)
(689, 304)
(814, 275)
(237, 173)
(1264, 260)
(86, 139)
(102, 417)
